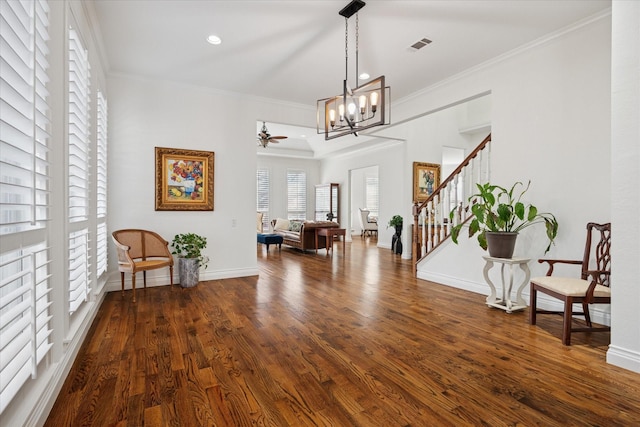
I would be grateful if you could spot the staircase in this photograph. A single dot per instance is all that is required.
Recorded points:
(431, 223)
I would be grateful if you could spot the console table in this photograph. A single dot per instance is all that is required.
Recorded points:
(505, 303)
(330, 233)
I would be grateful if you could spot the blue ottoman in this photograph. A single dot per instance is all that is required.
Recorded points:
(270, 239)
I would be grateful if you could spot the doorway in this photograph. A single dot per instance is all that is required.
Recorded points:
(364, 193)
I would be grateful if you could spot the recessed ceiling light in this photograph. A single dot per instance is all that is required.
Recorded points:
(364, 76)
(303, 136)
(213, 39)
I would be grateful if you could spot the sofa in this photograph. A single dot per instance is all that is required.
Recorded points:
(301, 234)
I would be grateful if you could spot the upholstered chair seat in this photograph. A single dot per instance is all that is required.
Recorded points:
(573, 287)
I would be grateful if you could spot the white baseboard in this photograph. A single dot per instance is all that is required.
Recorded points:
(443, 279)
(599, 313)
(114, 285)
(624, 358)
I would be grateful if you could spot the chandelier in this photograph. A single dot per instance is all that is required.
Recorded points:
(358, 108)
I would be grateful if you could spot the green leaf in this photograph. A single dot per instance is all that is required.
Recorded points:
(455, 231)
(482, 239)
(474, 227)
(519, 210)
(504, 213)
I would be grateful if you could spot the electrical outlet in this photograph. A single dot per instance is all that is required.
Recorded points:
(233, 223)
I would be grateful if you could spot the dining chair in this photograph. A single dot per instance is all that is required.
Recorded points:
(591, 287)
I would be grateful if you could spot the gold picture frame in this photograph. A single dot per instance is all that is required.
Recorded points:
(426, 178)
(184, 179)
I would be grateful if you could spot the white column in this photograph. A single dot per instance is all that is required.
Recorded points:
(624, 350)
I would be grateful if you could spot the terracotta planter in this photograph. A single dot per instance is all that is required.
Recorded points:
(501, 244)
(188, 272)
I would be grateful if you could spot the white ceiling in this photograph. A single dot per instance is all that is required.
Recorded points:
(295, 50)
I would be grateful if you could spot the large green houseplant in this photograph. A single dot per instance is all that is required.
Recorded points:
(395, 221)
(494, 209)
(188, 247)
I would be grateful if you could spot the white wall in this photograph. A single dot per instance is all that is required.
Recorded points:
(550, 109)
(145, 114)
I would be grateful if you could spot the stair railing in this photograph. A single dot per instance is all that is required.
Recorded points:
(431, 224)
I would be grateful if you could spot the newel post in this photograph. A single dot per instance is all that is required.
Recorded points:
(414, 242)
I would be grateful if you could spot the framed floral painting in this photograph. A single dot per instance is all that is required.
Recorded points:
(426, 178)
(184, 180)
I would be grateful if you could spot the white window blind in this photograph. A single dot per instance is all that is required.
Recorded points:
(24, 116)
(262, 203)
(371, 194)
(78, 269)
(296, 194)
(24, 193)
(322, 202)
(78, 128)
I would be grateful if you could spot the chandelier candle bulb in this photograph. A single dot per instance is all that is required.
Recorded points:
(374, 101)
(363, 104)
(341, 112)
(352, 111)
(332, 117)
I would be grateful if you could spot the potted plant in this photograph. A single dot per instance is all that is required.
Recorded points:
(188, 247)
(396, 242)
(498, 213)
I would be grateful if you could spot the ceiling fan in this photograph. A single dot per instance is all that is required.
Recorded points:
(264, 137)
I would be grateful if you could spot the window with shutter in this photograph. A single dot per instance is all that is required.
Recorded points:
(25, 285)
(296, 194)
(262, 203)
(371, 194)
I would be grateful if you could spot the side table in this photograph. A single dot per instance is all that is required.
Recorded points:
(505, 303)
(330, 233)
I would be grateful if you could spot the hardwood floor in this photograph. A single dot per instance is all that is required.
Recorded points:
(340, 340)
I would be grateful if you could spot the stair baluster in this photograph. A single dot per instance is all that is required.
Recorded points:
(433, 213)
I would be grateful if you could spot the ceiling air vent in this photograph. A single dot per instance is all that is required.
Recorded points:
(419, 44)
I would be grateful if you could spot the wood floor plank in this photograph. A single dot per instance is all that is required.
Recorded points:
(345, 339)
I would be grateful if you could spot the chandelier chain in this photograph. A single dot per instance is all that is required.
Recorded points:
(357, 46)
(346, 48)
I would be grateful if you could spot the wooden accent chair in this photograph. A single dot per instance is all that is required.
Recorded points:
(591, 288)
(141, 250)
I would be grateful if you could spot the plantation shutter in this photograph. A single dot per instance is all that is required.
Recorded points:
(262, 176)
(101, 186)
(371, 194)
(24, 193)
(24, 118)
(78, 172)
(296, 194)
(78, 269)
(78, 128)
